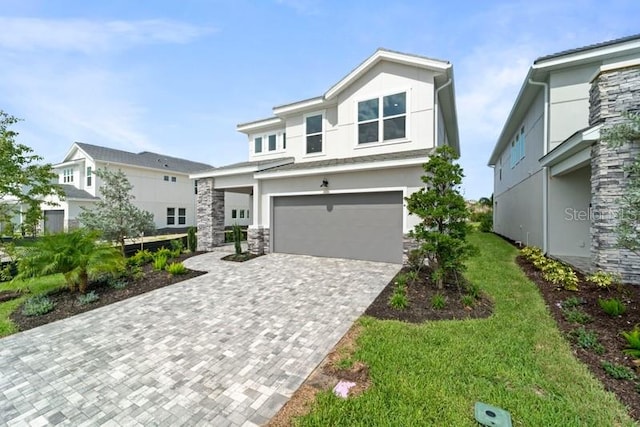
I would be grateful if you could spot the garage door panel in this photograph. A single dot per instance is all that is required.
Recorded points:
(359, 226)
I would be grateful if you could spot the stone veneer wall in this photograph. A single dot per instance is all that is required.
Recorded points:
(612, 93)
(258, 240)
(209, 215)
(408, 244)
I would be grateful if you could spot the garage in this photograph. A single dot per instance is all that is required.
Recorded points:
(365, 226)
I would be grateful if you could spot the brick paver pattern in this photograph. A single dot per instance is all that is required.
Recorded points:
(226, 349)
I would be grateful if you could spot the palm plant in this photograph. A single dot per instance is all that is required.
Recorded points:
(78, 255)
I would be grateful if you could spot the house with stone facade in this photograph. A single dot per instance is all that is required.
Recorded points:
(556, 183)
(327, 176)
(161, 185)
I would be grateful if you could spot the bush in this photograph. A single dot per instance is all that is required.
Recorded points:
(237, 238)
(571, 302)
(401, 280)
(604, 280)
(176, 247)
(416, 259)
(576, 315)
(163, 253)
(117, 283)
(438, 301)
(159, 262)
(587, 340)
(633, 342)
(486, 222)
(412, 275)
(399, 300)
(613, 306)
(192, 241)
(140, 258)
(618, 372)
(176, 268)
(37, 306)
(88, 298)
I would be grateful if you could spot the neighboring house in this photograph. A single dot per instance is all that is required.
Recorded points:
(161, 185)
(556, 184)
(328, 175)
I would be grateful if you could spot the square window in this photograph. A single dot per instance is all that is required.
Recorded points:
(166, 177)
(392, 124)
(174, 179)
(368, 110)
(234, 213)
(272, 142)
(257, 142)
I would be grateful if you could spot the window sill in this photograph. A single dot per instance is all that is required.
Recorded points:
(314, 155)
(381, 144)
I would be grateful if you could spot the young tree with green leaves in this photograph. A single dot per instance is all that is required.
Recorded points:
(24, 182)
(114, 215)
(77, 255)
(628, 227)
(441, 233)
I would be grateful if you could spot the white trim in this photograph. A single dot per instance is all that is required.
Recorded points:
(342, 168)
(68, 163)
(614, 66)
(298, 106)
(239, 170)
(344, 191)
(589, 55)
(576, 161)
(260, 124)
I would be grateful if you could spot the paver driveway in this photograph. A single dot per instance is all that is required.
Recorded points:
(225, 348)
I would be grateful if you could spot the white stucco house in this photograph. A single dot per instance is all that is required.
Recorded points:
(556, 184)
(161, 185)
(328, 175)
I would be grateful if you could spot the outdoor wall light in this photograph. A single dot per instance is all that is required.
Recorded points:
(325, 183)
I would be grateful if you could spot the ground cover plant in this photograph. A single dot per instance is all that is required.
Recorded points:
(433, 373)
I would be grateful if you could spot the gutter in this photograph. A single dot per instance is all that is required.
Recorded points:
(436, 110)
(545, 169)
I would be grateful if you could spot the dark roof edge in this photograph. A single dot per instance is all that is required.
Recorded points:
(587, 48)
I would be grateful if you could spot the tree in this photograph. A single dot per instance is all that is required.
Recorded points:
(77, 255)
(628, 227)
(23, 181)
(441, 234)
(114, 215)
(486, 201)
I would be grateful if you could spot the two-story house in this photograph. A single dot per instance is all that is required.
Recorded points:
(161, 185)
(328, 175)
(556, 183)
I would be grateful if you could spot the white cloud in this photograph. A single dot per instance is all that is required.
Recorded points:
(87, 36)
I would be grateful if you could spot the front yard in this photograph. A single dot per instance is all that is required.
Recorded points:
(433, 373)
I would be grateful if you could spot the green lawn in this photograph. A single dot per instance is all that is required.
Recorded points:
(432, 374)
(36, 286)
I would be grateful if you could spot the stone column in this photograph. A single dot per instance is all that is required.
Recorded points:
(612, 93)
(209, 215)
(255, 239)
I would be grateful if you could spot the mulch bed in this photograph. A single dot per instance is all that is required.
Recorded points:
(242, 257)
(419, 294)
(66, 303)
(607, 328)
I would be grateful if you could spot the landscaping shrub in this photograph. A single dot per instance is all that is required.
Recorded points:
(192, 241)
(587, 340)
(576, 315)
(473, 289)
(237, 238)
(163, 253)
(117, 283)
(140, 258)
(88, 298)
(633, 342)
(416, 259)
(486, 222)
(412, 275)
(612, 306)
(401, 280)
(438, 301)
(604, 280)
(618, 372)
(399, 300)
(176, 268)
(571, 302)
(468, 300)
(37, 306)
(176, 247)
(159, 262)
(553, 271)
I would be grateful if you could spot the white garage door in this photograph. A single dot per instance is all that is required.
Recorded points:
(364, 226)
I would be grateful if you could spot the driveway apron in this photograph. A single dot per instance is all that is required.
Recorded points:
(227, 348)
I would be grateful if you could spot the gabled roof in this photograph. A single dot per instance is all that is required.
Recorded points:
(144, 159)
(587, 48)
(243, 167)
(72, 192)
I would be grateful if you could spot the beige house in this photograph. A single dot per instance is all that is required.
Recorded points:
(556, 184)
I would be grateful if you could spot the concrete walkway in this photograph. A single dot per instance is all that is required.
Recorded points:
(226, 349)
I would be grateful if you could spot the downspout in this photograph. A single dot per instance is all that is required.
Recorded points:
(545, 171)
(436, 118)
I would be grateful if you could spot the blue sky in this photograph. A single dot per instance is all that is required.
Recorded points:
(177, 76)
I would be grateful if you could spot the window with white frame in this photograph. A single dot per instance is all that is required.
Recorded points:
(174, 179)
(517, 151)
(241, 213)
(182, 216)
(257, 144)
(388, 126)
(234, 213)
(171, 216)
(313, 132)
(89, 176)
(67, 175)
(272, 142)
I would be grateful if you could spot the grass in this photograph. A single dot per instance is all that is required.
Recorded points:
(432, 374)
(37, 286)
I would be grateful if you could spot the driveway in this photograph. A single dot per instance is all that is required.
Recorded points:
(227, 348)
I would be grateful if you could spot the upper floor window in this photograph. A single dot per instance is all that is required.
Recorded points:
(284, 140)
(195, 186)
(313, 132)
(166, 177)
(89, 176)
(174, 179)
(257, 144)
(272, 142)
(517, 148)
(67, 175)
(391, 125)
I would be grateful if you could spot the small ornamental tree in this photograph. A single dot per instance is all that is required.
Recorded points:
(441, 233)
(628, 227)
(114, 215)
(23, 181)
